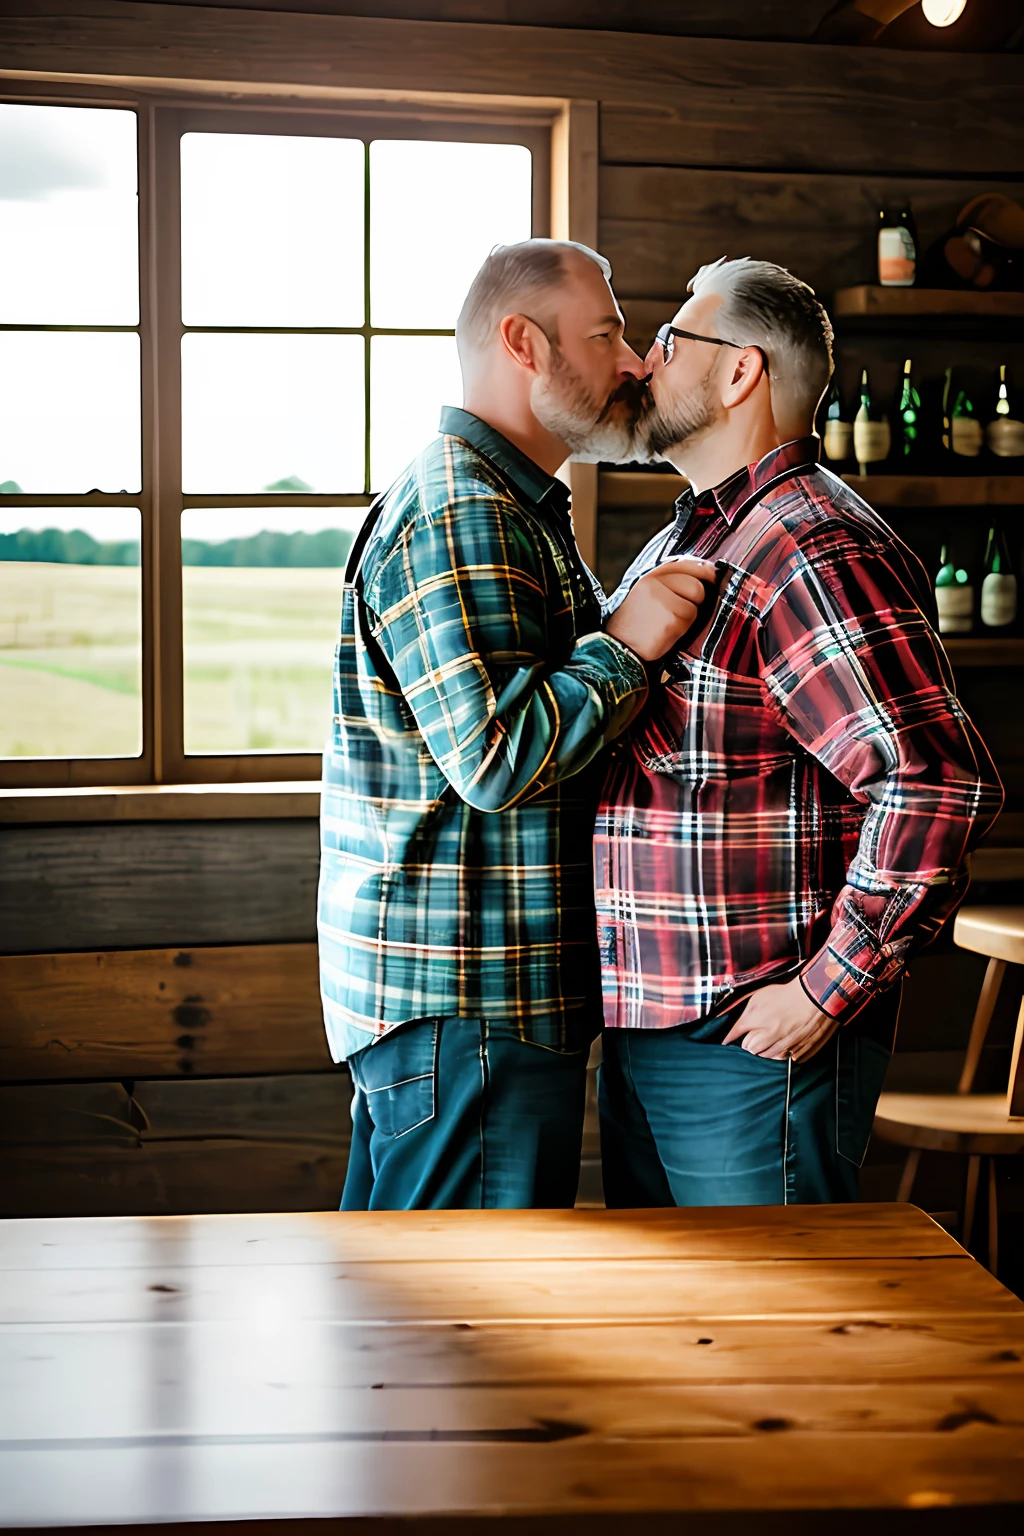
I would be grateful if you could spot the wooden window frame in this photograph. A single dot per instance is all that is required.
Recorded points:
(563, 139)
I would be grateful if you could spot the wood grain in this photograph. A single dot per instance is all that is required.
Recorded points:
(303, 1378)
(997, 932)
(147, 1013)
(659, 224)
(694, 101)
(446, 1293)
(972, 1124)
(162, 802)
(319, 1357)
(896, 303)
(156, 885)
(234, 1144)
(716, 1233)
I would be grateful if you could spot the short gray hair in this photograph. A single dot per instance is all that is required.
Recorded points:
(511, 281)
(764, 305)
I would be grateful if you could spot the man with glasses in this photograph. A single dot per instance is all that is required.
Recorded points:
(474, 690)
(791, 815)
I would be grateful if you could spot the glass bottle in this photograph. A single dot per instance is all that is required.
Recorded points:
(954, 597)
(999, 586)
(872, 435)
(1005, 432)
(837, 434)
(897, 246)
(962, 436)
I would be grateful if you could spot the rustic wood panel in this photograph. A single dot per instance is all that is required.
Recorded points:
(715, 1234)
(694, 101)
(155, 1012)
(727, 1351)
(780, 19)
(318, 1377)
(155, 885)
(443, 1292)
(237, 1144)
(162, 802)
(659, 224)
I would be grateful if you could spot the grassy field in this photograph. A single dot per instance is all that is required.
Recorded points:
(259, 645)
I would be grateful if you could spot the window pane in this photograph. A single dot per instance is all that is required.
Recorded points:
(70, 633)
(69, 412)
(435, 212)
(262, 598)
(271, 230)
(69, 248)
(411, 378)
(272, 413)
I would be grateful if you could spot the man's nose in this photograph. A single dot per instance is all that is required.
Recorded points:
(630, 363)
(654, 356)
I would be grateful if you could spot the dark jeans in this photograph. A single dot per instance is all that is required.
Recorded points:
(455, 1114)
(691, 1122)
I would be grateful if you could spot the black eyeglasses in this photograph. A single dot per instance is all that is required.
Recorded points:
(666, 336)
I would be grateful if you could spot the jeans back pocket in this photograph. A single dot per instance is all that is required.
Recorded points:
(398, 1076)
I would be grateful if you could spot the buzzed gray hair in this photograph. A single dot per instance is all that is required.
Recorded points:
(512, 280)
(765, 306)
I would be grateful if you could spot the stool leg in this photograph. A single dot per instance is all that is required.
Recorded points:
(993, 1219)
(994, 973)
(909, 1174)
(970, 1199)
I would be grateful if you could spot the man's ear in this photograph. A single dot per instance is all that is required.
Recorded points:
(519, 338)
(746, 375)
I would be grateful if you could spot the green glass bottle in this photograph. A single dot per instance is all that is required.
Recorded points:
(999, 587)
(837, 432)
(962, 436)
(872, 435)
(909, 445)
(954, 597)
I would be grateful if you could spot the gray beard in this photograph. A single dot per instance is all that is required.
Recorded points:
(686, 419)
(592, 430)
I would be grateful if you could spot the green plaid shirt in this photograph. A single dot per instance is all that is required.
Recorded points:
(473, 690)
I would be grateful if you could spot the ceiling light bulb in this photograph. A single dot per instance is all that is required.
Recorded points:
(942, 13)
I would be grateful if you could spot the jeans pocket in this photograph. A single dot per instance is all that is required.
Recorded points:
(861, 1065)
(398, 1077)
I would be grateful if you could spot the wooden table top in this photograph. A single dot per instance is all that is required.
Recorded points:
(563, 1370)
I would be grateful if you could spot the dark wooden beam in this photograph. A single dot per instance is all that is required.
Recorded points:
(693, 101)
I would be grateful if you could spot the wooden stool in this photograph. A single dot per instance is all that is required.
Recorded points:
(975, 1125)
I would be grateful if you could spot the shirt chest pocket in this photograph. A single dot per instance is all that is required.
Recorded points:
(710, 718)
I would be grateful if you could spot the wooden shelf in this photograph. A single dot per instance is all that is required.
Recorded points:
(982, 652)
(635, 488)
(939, 490)
(911, 303)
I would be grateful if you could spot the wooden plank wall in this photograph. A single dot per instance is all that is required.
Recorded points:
(706, 146)
(193, 1076)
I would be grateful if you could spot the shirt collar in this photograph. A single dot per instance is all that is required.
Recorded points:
(729, 496)
(535, 483)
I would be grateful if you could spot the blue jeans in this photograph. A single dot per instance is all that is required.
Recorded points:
(692, 1122)
(457, 1114)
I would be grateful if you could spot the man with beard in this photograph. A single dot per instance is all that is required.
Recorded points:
(474, 690)
(791, 816)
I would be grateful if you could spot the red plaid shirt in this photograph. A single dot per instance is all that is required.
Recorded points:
(801, 793)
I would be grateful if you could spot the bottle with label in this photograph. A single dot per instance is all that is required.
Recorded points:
(837, 432)
(872, 436)
(999, 587)
(962, 436)
(897, 246)
(954, 597)
(1005, 432)
(908, 448)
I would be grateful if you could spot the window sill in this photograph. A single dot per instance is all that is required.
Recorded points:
(163, 802)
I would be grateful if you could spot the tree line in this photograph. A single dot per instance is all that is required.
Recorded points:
(59, 546)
